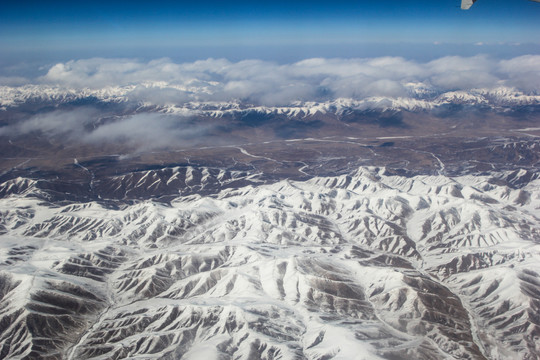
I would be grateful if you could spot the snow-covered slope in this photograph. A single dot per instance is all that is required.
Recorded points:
(361, 266)
(500, 98)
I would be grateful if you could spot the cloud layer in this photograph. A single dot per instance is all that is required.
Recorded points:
(86, 125)
(259, 82)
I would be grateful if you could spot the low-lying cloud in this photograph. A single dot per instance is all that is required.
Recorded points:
(149, 131)
(144, 131)
(266, 83)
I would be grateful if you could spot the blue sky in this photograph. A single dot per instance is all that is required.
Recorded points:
(280, 29)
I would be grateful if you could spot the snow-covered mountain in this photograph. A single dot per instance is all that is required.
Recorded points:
(418, 99)
(366, 265)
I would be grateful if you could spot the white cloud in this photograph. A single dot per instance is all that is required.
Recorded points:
(459, 73)
(261, 82)
(56, 123)
(144, 131)
(522, 72)
(149, 131)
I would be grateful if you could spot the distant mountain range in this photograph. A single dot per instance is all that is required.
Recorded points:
(419, 99)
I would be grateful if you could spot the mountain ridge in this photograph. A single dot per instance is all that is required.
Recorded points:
(499, 99)
(395, 267)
